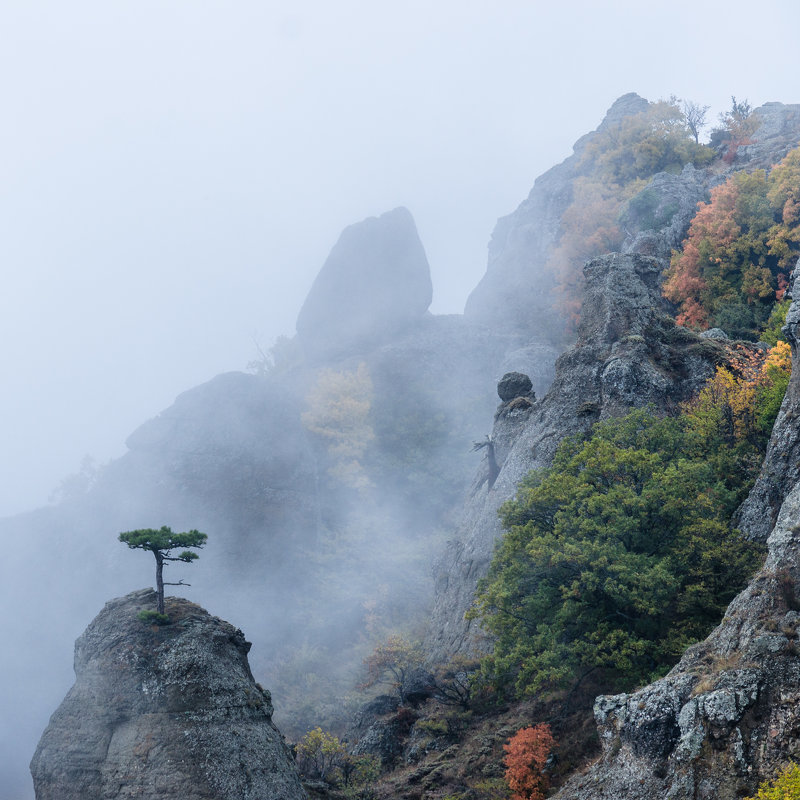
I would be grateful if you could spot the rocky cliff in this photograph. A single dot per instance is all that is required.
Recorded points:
(375, 283)
(726, 717)
(780, 472)
(170, 711)
(629, 353)
(233, 456)
(518, 291)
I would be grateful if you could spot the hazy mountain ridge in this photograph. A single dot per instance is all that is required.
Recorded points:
(233, 457)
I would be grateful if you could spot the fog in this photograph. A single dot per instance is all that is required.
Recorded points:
(174, 175)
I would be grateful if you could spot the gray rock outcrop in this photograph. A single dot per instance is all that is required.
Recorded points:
(168, 712)
(518, 290)
(629, 354)
(656, 219)
(778, 132)
(375, 282)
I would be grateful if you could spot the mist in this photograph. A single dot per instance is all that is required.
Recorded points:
(174, 177)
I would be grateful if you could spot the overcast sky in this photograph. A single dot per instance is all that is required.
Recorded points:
(174, 173)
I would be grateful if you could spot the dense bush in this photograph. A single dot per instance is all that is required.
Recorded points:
(526, 756)
(741, 248)
(621, 554)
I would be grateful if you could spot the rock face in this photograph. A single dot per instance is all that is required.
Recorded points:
(517, 291)
(375, 282)
(657, 218)
(629, 354)
(777, 133)
(163, 712)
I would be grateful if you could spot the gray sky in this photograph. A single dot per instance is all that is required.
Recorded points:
(174, 173)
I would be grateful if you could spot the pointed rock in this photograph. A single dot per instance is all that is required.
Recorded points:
(169, 711)
(375, 282)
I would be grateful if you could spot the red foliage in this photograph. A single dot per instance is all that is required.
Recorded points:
(526, 755)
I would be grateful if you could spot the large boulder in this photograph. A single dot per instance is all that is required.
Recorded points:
(169, 711)
(375, 282)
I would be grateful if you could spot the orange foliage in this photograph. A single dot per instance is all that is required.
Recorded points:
(526, 756)
(685, 283)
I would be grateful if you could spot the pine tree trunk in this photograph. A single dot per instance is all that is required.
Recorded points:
(160, 581)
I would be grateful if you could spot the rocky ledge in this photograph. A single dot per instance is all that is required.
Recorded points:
(163, 711)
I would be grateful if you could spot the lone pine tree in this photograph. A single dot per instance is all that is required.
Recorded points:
(161, 543)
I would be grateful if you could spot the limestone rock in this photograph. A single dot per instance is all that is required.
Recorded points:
(657, 218)
(518, 292)
(168, 711)
(376, 281)
(777, 133)
(629, 353)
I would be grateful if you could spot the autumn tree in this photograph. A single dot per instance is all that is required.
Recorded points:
(161, 543)
(785, 786)
(695, 116)
(526, 759)
(738, 126)
(741, 247)
(392, 663)
(616, 164)
(320, 755)
(339, 413)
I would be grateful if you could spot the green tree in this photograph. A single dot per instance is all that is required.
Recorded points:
(161, 543)
(616, 558)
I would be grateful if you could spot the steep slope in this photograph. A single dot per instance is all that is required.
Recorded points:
(168, 711)
(518, 291)
(303, 560)
(726, 716)
(610, 369)
(628, 354)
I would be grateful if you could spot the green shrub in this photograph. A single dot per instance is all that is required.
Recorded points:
(153, 618)
(617, 557)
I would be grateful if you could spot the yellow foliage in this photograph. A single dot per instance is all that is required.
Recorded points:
(779, 357)
(339, 412)
(735, 405)
(786, 786)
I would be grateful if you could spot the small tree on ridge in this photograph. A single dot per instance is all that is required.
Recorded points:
(161, 543)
